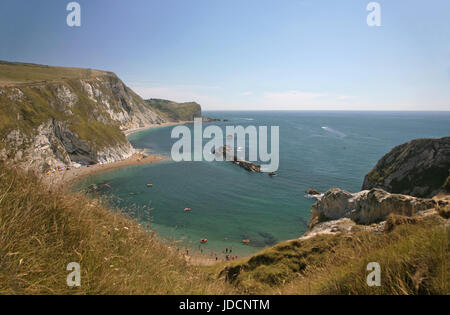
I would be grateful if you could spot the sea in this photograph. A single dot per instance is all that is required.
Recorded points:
(317, 149)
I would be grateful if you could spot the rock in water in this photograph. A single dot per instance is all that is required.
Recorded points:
(312, 192)
(418, 168)
(225, 151)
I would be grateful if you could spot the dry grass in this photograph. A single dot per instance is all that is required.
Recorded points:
(413, 255)
(42, 230)
(15, 73)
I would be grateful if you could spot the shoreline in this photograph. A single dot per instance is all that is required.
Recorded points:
(129, 132)
(72, 176)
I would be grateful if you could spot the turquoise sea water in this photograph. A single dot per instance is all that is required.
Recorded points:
(317, 150)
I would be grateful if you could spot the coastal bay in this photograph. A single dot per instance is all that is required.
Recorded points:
(230, 205)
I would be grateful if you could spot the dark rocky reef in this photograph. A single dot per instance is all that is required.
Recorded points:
(209, 119)
(249, 166)
(418, 168)
(312, 192)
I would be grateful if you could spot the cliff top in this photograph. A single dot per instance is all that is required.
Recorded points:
(173, 111)
(16, 73)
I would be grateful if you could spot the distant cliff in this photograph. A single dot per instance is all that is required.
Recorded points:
(418, 168)
(52, 116)
(173, 111)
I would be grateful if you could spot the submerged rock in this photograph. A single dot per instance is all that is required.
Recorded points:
(100, 188)
(312, 192)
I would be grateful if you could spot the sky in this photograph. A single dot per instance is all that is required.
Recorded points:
(248, 54)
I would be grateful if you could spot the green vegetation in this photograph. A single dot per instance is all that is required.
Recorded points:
(39, 105)
(413, 254)
(175, 111)
(43, 229)
(14, 73)
(33, 95)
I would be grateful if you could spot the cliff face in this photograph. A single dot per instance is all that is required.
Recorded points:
(71, 115)
(419, 168)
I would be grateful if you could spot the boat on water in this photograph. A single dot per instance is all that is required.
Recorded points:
(187, 209)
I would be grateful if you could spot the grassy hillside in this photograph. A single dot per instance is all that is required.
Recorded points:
(42, 230)
(173, 111)
(14, 73)
(413, 255)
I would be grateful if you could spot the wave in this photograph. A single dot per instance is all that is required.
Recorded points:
(316, 197)
(335, 132)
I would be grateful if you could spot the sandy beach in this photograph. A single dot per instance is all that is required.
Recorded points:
(131, 131)
(71, 176)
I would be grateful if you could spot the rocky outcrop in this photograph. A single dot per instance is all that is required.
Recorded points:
(418, 168)
(365, 207)
(54, 145)
(210, 120)
(81, 152)
(227, 153)
(311, 191)
(397, 185)
(42, 150)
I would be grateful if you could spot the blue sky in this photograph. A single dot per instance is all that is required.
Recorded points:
(248, 54)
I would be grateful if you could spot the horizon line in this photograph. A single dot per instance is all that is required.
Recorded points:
(323, 110)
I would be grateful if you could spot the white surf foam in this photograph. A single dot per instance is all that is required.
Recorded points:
(335, 132)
